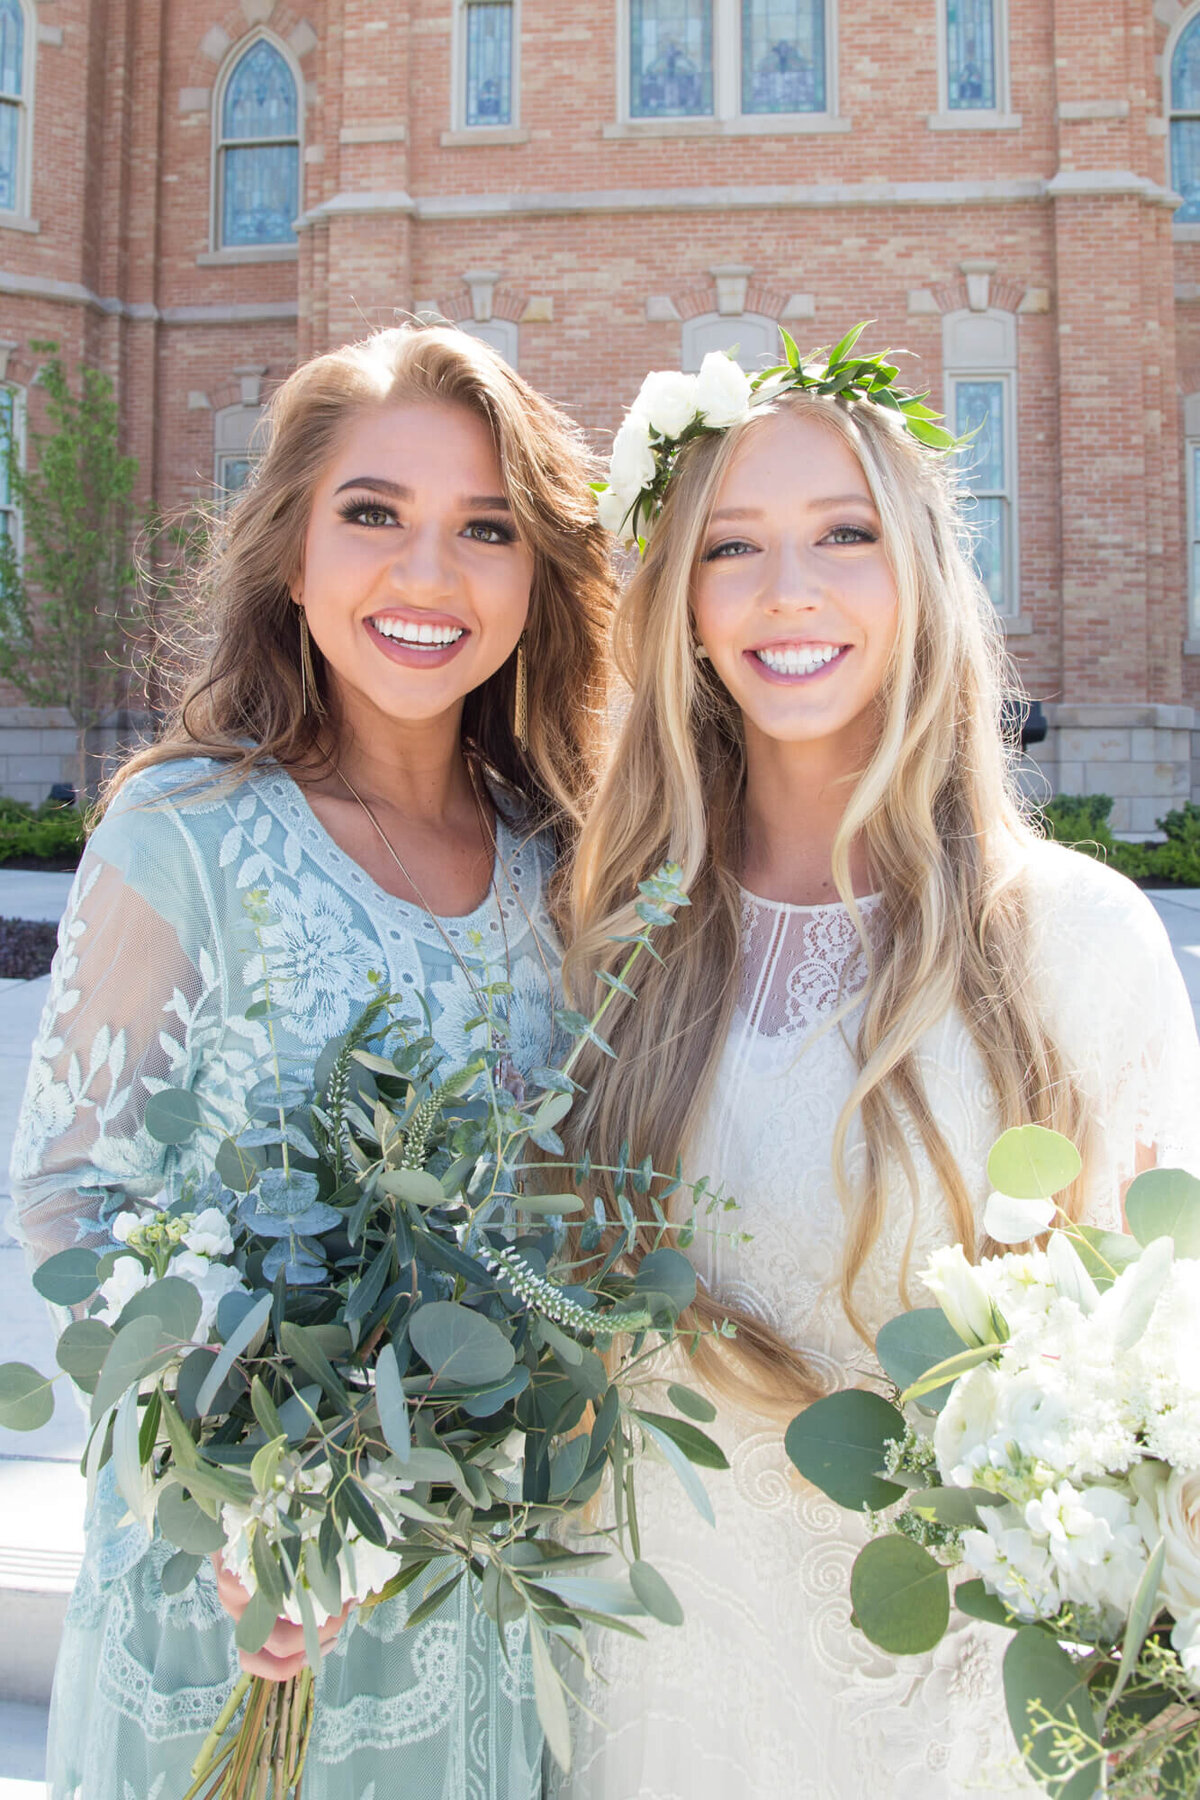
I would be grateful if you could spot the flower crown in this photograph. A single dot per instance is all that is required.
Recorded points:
(673, 408)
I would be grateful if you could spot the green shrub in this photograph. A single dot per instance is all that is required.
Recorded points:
(13, 810)
(49, 835)
(1081, 820)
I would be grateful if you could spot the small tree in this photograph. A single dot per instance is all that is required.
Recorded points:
(68, 602)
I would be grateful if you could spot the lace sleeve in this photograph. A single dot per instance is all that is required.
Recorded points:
(133, 994)
(1122, 1015)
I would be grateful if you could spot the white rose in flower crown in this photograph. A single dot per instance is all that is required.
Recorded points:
(722, 390)
(632, 465)
(1171, 1510)
(128, 1278)
(209, 1234)
(668, 401)
(614, 506)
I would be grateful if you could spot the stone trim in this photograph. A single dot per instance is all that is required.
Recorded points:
(374, 134)
(248, 253)
(974, 121)
(744, 125)
(1071, 111)
(73, 293)
(18, 222)
(479, 137)
(1113, 715)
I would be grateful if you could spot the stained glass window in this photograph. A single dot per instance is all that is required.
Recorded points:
(979, 408)
(671, 59)
(260, 150)
(8, 427)
(971, 55)
(783, 56)
(1185, 122)
(489, 63)
(12, 66)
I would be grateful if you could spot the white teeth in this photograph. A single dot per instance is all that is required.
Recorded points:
(404, 631)
(798, 659)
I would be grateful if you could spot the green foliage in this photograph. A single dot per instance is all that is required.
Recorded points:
(1081, 820)
(1049, 1704)
(51, 834)
(1031, 1163)
(1165, 1203)
(901, 1596)
(840, 1445)
(68, 605)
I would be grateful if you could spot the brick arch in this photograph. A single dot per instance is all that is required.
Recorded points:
(1005, 294)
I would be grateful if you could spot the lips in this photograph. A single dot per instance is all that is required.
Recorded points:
(796, 661)
(418, 640)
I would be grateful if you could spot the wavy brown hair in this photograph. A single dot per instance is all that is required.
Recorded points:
(937, 808)
(236, 693)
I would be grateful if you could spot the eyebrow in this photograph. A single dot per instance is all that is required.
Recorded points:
(756, 512)
(378, 484)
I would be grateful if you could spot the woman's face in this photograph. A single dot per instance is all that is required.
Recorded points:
(415, 582)
(793, 598)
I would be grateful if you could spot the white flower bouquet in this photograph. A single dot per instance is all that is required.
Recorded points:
(353, 1353)
(1045, 1432)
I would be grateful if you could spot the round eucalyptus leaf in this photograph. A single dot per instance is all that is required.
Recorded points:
(900, 1595)
(186, 1524)
(1165, 1203)
(654, 1594)
(916, 1341)
(1031, 1163)
(172, 1115)
(179, 1571)
(26, 1398)
(666, 1271)
(840, 1444)
(1039, 1673)
(81, 1351)
(69, 1278)
(175, 1301)
(239, 1167)
(460, 1346)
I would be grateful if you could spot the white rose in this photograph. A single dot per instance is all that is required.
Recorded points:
(1012, 1221)
(1186, 1639)
(1172, 1503)
(966, 1425)
(615, 509)
(212, 1281)
(632, 465)
(962, 1294)
(128, 1278)
(209, 1233)
(668, 401)
(722, 390)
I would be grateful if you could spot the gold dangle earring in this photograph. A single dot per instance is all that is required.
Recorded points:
(520, 719)
(308, 675)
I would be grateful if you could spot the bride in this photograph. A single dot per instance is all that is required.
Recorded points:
(882, 968)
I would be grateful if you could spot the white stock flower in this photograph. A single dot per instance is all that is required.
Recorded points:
(632, 466)
(1012, 1563)
(722, 390)
(128, 1278)
(668, 401)
(1009, 1220)
(209, 1234)
(614, 507)
(212, 1281)
(962, 1293)
(1096, 1545)
(128, 1222)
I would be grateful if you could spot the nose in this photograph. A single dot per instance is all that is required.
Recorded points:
(794, 579)
(422, 570)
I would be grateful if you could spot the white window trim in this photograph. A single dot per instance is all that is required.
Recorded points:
(688, 358)
(727, 117)
(250, 252)
(19, 216)
(1190, 446)
(503, 335)
(1189, 232)
(19, 422)
(997, 118)
(235, 431)
(460, 131)
(1008, 381)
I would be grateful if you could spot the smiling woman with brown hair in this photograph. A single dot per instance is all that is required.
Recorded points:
(383, 749)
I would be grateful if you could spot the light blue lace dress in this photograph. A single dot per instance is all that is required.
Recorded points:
(156, 966)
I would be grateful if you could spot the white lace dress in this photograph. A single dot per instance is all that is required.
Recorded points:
(767, 1692)
(158, 961)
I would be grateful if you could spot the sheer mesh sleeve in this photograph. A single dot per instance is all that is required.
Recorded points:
(135, 987)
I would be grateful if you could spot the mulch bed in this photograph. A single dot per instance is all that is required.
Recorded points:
(26, 947)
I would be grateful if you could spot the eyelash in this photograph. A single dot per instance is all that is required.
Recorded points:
(354, 512)
(858, 534)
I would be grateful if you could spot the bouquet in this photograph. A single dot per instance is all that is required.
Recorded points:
(353, 1356)
(1045, 1431)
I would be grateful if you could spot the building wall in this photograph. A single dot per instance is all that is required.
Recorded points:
(599, 240)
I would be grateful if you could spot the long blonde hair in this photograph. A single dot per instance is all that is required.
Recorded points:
(936, 808)
(238, 692)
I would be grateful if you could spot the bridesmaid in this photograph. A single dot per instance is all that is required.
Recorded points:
(384, 741)
(882, 968)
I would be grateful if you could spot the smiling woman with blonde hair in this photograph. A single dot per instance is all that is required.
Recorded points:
(383, 746)
(882, 967)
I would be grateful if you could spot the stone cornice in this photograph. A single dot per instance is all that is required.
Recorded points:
(74, 293)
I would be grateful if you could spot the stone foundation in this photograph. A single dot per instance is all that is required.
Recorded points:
(38, 747)
(1140, 754)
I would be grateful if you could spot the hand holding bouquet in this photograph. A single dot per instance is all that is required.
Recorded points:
(1050, 1439)
(350, 1357)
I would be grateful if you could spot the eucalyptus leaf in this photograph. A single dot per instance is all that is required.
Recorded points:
(953, 1506)
(549, 1205)
(1038, 1672)
(567, 1465)
(1029, 1162)
(550, 1696)
(900, 1595)
(655, 1595)
(392, 1405)
(415, 1185)
(839, 1443)
(692, 1485)
(1165, 1203)
(247, 1328)
(299, 1343)
(696, 1445)
(81, 1351)
(944, 1372)
(179, 1571)
(460, 1346)
(172, 1115)
(975, 1600)
(26, 1398)
(1144, 1609)
(239, 1166)
(69, 1278)
(256, 1624)
(489, 1400)
(185, 1524)
(173, 1301)
(137, 1350)
(696, 1406)
(666, 1271)
(913, 1343)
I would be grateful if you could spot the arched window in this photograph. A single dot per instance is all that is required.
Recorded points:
(751, 337)
(14, 101)
(502, 334)
(1185, 122)
(258, 152)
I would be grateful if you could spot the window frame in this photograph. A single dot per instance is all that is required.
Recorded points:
(458, 65)
(981, 118)
(24, 103)
(1186, 229)
(220, 144)
(691, 354)
(235, 429)
(10, 507)
(726, 114)
(1011, 537)
(1191, 451)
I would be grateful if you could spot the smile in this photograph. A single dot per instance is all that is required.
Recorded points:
(417, 636)
(798, 660)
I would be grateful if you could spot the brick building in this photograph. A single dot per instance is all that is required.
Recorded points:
(195, 194)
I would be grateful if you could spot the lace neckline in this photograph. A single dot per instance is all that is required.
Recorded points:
(864, 902)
